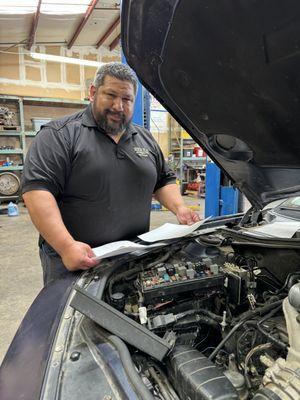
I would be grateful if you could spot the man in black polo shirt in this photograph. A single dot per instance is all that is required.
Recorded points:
(88, 178)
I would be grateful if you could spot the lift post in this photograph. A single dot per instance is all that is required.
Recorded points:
(141, 114)
(219, 199)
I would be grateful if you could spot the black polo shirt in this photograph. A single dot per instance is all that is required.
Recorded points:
(103, 189)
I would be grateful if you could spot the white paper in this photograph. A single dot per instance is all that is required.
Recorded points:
(120, 247)
(159, 121)
(277, 229)
(155, 104)
(170, 231)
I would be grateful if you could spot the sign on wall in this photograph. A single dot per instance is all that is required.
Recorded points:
(158, 117)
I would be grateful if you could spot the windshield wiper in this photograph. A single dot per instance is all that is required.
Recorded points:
(289, 208)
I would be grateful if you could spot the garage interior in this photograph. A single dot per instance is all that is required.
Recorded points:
(76, 35)
(91, 307)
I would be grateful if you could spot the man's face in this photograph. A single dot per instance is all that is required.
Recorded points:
(113, 104)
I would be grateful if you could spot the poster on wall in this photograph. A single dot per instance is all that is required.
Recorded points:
(155, 104)
(158, 117)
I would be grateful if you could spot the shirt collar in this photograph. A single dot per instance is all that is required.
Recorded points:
(88, 120)
(131, 130)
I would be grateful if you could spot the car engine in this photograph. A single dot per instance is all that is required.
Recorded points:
(231, 315)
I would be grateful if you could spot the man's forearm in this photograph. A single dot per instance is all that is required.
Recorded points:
(170, 197)
(46, 217)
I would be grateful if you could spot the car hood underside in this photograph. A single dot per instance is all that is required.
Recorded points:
(228, 72)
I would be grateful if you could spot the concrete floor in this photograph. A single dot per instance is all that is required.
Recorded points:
(20, 271)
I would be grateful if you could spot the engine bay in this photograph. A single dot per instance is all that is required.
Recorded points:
(224, 308)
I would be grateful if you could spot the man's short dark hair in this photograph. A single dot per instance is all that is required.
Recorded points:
(116, 70)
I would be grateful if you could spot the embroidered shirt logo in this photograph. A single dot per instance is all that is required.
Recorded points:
(141, 151)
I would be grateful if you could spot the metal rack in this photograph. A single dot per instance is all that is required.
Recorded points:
(183, 144)
(21, 133)
(6, 100)
(16, 169)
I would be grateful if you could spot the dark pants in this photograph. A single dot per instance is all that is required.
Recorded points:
(53, 267)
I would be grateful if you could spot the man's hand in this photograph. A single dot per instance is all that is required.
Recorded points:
(170, 197)
(77, 256)
(186, 216)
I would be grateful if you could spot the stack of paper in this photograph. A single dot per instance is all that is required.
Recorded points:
(120, 247)
(164, 232)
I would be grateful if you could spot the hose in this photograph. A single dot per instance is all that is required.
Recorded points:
(289, 281)
(129, 367)
(198, 319)
(121, 276)
(258, 311)
(247, 315)
(166, 382)
(256, 349)
(269, 335)
(161, 385)
(221, 344)
(162, 259)
(213, 241)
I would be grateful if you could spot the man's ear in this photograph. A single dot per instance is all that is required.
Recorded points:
(92, 92)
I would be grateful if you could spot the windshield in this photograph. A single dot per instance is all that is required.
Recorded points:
(288, 208)
(293, 203)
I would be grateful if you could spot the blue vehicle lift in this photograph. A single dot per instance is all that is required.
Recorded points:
(219, 199)
(141, 114)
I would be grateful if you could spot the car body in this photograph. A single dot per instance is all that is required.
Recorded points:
(213, 315)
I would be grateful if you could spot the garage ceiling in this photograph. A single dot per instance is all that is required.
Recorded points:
(64, 23)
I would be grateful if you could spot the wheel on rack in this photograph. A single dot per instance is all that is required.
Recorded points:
(9, 184)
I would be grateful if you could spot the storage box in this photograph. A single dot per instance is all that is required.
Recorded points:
(38, 122)
(187, 152)
(199, 152)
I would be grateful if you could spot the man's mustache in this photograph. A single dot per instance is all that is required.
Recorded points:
(119, 114)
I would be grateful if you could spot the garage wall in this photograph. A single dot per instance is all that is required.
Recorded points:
(22, 76)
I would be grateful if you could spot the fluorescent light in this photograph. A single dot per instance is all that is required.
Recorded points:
(18, 6)
(68, 60)
(55, 7)
(59, 7)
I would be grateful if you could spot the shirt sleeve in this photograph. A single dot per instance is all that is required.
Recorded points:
(165, 176)
(47, 164)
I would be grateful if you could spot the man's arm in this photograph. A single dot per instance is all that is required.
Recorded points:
(170, 197)
(46, 217)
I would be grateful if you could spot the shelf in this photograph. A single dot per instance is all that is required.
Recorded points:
(10, 133)
(30, 133)
(7, 97)
(185, 139)
(11, 197)
(194, 158)
(177, 149)
(19, 131)
(12, 168)
(15, 151)
(49, 100)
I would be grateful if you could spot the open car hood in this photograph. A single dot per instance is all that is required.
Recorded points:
(228, 71)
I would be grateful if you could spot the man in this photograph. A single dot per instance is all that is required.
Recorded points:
(88, 178)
